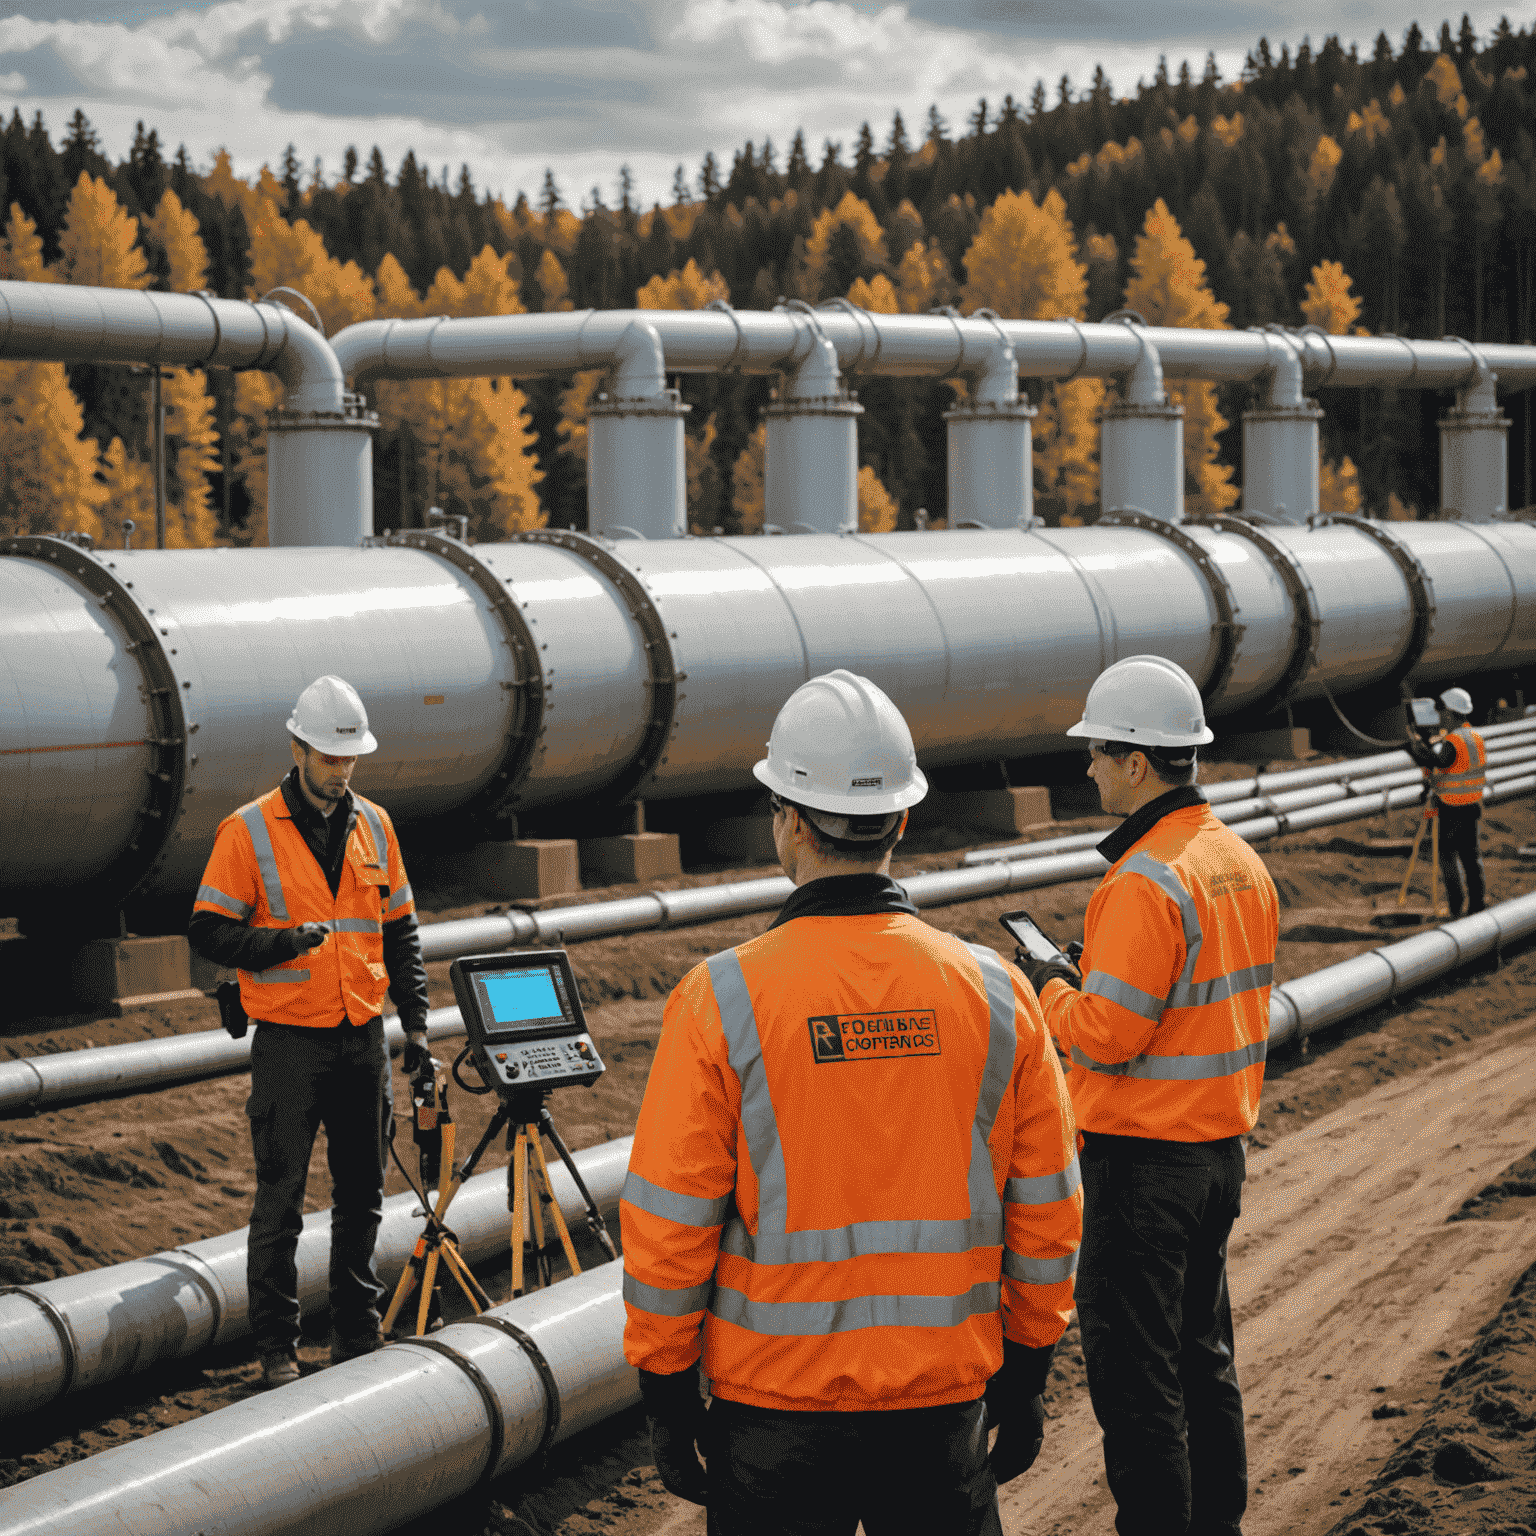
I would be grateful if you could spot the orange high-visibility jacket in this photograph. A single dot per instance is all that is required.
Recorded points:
(854, 1169)
(262, 873)
(1462, 783)
(1167, 1036)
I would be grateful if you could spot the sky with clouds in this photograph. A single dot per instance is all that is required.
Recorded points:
(585, 86)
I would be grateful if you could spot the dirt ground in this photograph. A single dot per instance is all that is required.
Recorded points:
(1382, 1271)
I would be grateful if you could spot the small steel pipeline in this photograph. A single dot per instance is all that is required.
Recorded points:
(1241, 799)
(367, 1446)
(150, 1064)
(81, 1331)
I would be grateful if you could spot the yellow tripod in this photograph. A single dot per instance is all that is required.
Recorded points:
(1432, 821)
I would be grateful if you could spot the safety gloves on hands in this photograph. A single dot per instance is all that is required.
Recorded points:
(417, 1057)
(1038, 972)
(305, 937)
(1015, 1404)
(676, 1415)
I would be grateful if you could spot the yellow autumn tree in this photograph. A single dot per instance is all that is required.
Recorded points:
(877, 507)
(191, 455)
(1168, 287)
(128, 487)
(474, 434)
(285, 255)
(923, 279)
(1328, 302)
(47, 468)
(1323, 166)
(878, 295)
(858, 218)
(1024, 264)
(99, 245)
(688, 289)
(21, 251)
(748, 482)
(178, 232)
(1338, 488)
(553, 284)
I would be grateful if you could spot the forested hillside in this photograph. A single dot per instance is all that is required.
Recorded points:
(1394, 193)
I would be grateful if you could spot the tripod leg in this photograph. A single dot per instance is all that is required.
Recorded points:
(426, 1292)
(474, 1293)
(536, 1199)
(595, 1222)
(408, 1277)
(1434, 867)
(556, 1214)
(519, 1208)
(1413, 858)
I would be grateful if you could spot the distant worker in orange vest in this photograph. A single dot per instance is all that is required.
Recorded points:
(306, 896)
(1456, 761)
(854, 1184)
(1166, 1027)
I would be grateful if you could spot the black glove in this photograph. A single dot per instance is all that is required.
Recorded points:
(1015, 1405)
(676, 1415)
(418, 1056)
(1074, 953)
(1038, 972)
(300, 940)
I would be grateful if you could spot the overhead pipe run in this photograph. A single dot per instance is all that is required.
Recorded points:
(81, 1331)
(319, 449)
(367, 1446)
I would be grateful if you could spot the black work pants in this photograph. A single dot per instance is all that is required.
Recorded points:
(921, 1471)
(302, 1079)
(1459, 845)
(1157, 1331)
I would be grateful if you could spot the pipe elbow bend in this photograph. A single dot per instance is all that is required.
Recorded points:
(642, 363)
(1285, 391)
(1480, 398)
(362, 349)
(818, 375)
(308, 367)
(1144, 383)
(998, 381)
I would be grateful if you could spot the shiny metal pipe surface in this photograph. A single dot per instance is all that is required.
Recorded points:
(365, 1446)
(559, 668)
(81, 1331)
(362, 1447)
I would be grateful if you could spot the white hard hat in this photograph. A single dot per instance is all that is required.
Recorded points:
(331, 717)
(839, 745)
(1145, 700)
(1457, 700)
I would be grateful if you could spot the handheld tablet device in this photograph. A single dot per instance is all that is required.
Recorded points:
(1031, 937)
(523, 1016)
(1426, 715)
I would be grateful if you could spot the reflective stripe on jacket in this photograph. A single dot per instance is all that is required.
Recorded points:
(1462, 783)
(262, 872)
(1167, 1036)
(854, 1169)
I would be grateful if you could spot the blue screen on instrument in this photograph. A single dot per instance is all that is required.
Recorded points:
(521, 997)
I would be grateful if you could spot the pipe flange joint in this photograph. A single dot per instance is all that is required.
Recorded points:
(496, 1418)
(528, 683)
(165, 690)
(1227, 629)
(61, 1327)
(662, 677)
(1421, 593)
(526, 1342)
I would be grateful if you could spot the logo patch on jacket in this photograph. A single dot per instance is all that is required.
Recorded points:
(874, 1036)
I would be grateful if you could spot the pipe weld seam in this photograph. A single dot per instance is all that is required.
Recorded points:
(525, 1341)
(193, 1269)
(60, 1327)
(498, 1420)
(36, 1095)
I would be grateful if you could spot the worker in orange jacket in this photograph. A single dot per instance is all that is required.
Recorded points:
(1166, 1029)
(854, 1185)
(306, 896)
(1455, 762)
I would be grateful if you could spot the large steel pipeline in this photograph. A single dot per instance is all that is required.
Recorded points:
(146, 690)
(82, 1331)
(150, 1064)
(366, 1446)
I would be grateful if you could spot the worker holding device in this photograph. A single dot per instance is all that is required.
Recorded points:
(854, 1182)
(306, 896)
(1454, 758)
(1166, 1027)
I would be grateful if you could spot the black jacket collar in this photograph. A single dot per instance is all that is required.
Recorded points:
(845, 896)
(1139, 823)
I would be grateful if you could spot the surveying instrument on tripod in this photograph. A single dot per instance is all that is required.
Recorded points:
(1425, 719)
(527, 1036)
